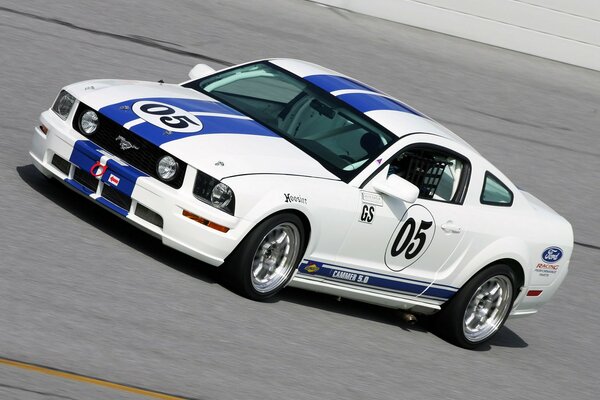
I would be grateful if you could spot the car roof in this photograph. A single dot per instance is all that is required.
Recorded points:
(394, 115)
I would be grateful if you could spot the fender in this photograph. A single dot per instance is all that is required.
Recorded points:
(512, 248)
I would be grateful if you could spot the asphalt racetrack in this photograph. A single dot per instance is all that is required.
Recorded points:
(82, 291)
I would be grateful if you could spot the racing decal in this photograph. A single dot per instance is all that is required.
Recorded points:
(371, 198)
(114, 180)
(366, 102)
(122, 112)
(544, 269)
(161, 120)
(367, 214)
(167, 117)
(332, 83)
(312, 268)
(291, 198)
(552, 254)
(550, 258)
(411, 239)
(379, 281)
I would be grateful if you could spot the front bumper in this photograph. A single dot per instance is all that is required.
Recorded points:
(140, 199)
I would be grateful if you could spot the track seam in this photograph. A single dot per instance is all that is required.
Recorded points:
(148, 42)
(589, 246)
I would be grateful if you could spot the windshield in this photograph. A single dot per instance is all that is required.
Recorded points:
(340, 138)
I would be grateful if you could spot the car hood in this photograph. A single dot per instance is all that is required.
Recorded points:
(201, 131)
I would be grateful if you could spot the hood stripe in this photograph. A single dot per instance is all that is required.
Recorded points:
(365, 102)
(365, 98)
(332, 83)
(210, 125)
(215, 117)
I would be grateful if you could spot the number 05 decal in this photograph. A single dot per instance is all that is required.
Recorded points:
(167, 117)
(411, 239)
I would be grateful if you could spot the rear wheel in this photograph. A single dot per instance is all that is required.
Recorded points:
(266, 259)
(480, 308)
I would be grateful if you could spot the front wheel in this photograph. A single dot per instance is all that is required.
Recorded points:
(480, 308)
(265, 260)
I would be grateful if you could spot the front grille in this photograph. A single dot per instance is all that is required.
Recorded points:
(148, 215)
(116, 197)
(62, 164)
(144, 158)
(86, 179)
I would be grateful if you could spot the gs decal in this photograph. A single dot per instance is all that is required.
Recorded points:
(167, 117)
(367, 214)
(411, 239)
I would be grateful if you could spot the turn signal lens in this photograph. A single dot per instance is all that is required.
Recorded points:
(205, 222)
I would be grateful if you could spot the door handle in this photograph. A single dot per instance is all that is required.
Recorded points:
(450, 227)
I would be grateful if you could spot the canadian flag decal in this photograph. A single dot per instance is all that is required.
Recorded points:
(114, 179)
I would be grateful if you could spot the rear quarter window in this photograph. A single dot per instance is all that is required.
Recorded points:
(495, 193)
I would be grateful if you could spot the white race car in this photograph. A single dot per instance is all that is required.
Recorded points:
(285, 172)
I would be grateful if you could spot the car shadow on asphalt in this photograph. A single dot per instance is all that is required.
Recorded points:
(119, 229)
(504, 338)
(115, 226)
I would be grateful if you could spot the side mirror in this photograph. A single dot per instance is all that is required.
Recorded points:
(200, 71)
(397, 187)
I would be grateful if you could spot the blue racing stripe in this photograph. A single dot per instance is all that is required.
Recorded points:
(112, 206)
(85, 154)
(366, 102)
(122, 113)
(79, 187)
(123, 178)
(126, 177)
(210, 124)
(331, 83)
(339, 273)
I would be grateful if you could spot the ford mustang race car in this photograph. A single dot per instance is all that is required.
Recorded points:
(283, 172)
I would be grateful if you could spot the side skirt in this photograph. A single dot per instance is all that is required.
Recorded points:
(365, 295)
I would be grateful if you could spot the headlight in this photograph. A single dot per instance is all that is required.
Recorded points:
(167, 168)
(63, 104)
(213, 192)
(221, 195)
(88, 122)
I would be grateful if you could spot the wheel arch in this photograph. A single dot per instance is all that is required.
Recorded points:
(510, 251)
(517, 268)
(302, 216)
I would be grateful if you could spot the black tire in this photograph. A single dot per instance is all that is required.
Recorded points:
(450, 322)
(242, 265)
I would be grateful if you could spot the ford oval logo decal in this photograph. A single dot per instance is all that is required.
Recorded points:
(552, 254)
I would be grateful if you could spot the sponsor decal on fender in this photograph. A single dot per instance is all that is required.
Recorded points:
(291, 198)
(545, 269)
(372, 198)
(552, 254)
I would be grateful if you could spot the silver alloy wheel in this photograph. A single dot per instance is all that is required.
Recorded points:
(275, 257)
(487, 308)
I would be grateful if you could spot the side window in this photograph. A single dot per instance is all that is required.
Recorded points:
(440, 175)
(495, 193)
